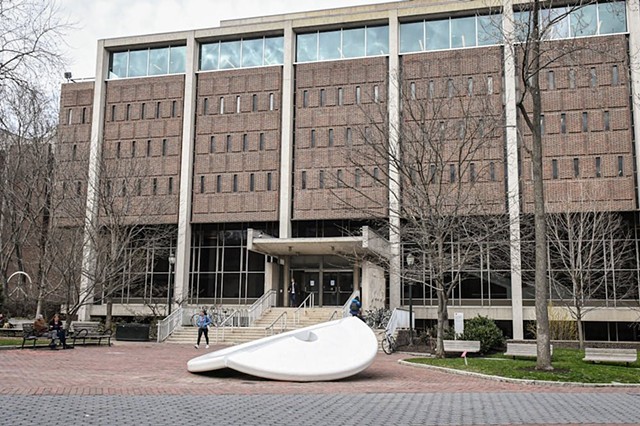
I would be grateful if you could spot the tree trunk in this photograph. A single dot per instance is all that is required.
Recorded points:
(580, 330)
(442, 321)
(109, 315)
(44, 231)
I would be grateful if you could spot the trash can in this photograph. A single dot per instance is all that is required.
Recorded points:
(133, 332)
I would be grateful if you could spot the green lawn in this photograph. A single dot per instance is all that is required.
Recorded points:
(567, 363)
(10, 341)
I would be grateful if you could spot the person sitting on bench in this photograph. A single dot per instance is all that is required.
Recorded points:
(57, 329)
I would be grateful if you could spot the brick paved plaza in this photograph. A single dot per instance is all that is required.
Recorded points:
(147, 383)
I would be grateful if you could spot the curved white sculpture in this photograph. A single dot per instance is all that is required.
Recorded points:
(327, 351)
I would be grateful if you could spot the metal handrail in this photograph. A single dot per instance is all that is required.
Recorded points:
(303, 306)
(255, 311)
(168, 325)
(283, 318)
(334, 315)
(232, 320)
(345, 307)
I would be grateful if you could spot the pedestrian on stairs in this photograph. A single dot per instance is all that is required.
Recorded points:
(203, 322)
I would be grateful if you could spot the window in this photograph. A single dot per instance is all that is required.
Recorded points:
(470, 86)
(330, 137)
(358, 95)
(252, 182)
(594, 77)
(237, 104)
(563, 123)
(74, 152)
(615, 76)
(551, 80)
(235, 183)
(432, 173)
(108, 189)
(322, 97)
(221, 104)
(149, 148)
(202, 184)
(620, 166)
(452, 173)
(113, 113)
(376, 94)
(154, 186)
(313, 138)
(229, 144)
(269, 182)
(128, 112)
(606, 120)
(243, 53)
(554, 169)
(84, 114)
(174, 107)
(340, 96)
(412, 90)
(321, 179)
(357, 178)
(492, 172)
(598, 167)
(585, 121)
(139, 187)
(143, 108)
(254, 103)
(69, 116)
(472, 172)
(572, 78)
(170, 186)
(147, 62)
(205, 106)
(576, 167)
(157, 109)
(272, 102)
(342, 43)
(489, 85)
(349, 136)
(212, 145)
(261, 142)
(245, 142)
(219, 183)
(542, 128)
(305, 98)
(450, 88)
(164, 147)
(303, 180)
(340, 182)
(78, 188)
(376, 174)
(432, 89)
(367, 134)
(123, 191)
(118, 150)
(133, 149)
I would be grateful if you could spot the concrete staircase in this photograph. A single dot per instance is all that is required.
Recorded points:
(312, 316)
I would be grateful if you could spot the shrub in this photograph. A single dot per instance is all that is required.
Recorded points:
(486, 331)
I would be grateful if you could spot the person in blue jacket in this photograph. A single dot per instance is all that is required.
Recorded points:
(203, 322)
(355, 307)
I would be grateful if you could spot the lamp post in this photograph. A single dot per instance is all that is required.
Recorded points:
(410, 261)
(172, 261)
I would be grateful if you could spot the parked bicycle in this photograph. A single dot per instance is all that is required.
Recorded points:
(389, 344)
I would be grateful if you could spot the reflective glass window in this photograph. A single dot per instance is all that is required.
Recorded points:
(209, 56)
(138, 60)
(252, 52)
(229, 55)
(177, 59)
(158, 61)
(307, 47)
(412, 37)
(353, 43)
(329, 45)
(463, 32)
(555, 23)
(489, 29)
(584, 21)
(613, 17)
(438, 35)
(521, 25)
(119, 65)
(377, 41)
(274, 51)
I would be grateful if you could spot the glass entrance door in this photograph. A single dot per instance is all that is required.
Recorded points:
(336, 287)
(310, 283)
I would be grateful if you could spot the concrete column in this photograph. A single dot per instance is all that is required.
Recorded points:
(395, 263)
(286, 143)
(633, 26)
(513, 180)
(372, 293)
(271, 275)
(87, 281)
(183, 245)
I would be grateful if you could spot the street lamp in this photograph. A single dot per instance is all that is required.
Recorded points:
(172, 261)
(410, 261)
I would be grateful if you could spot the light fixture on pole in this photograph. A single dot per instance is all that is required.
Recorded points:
(172, 261)
(410, 261)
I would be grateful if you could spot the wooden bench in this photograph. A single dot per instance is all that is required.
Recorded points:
(90, 331)
(28, 334)
(610, 355)
(523, 350)
(461, 345)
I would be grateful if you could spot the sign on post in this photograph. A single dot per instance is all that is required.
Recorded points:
(458, 322)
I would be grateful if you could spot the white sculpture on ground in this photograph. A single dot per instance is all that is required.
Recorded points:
(328, 351)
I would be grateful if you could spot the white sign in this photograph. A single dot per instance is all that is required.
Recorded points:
(312, 283)
(332, 282)
(458, 322)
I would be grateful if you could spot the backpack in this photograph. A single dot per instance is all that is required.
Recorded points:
(354, 306)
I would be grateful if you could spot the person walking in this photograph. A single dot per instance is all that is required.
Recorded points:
(355, 308)
(293, 293)
(203, 322)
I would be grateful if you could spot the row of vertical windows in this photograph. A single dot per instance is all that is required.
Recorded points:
(206, 107)
(348, 137)
(143, 112)
(243, 53)
(584, 122)
(77, 185)
(147, 62)
(83, 116)
(593, 78)
(339, 176)
(322, 96)
(228, 143)
(597, 167)
(342, 44)
(450, 89)
(124, 188)
(251, 183)
(134, 147)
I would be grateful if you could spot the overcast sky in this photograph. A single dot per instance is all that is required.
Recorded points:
(97, 19)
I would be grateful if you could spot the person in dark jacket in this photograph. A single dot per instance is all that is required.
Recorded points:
(57, 330)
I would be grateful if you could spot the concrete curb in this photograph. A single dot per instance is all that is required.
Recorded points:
(520, 381)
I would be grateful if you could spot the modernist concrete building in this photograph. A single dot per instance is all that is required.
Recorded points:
(243, 132)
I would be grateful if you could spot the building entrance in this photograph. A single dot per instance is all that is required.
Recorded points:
(330, 288)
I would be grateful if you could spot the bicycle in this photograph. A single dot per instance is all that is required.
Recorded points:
(214, 315)
(389, 344)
